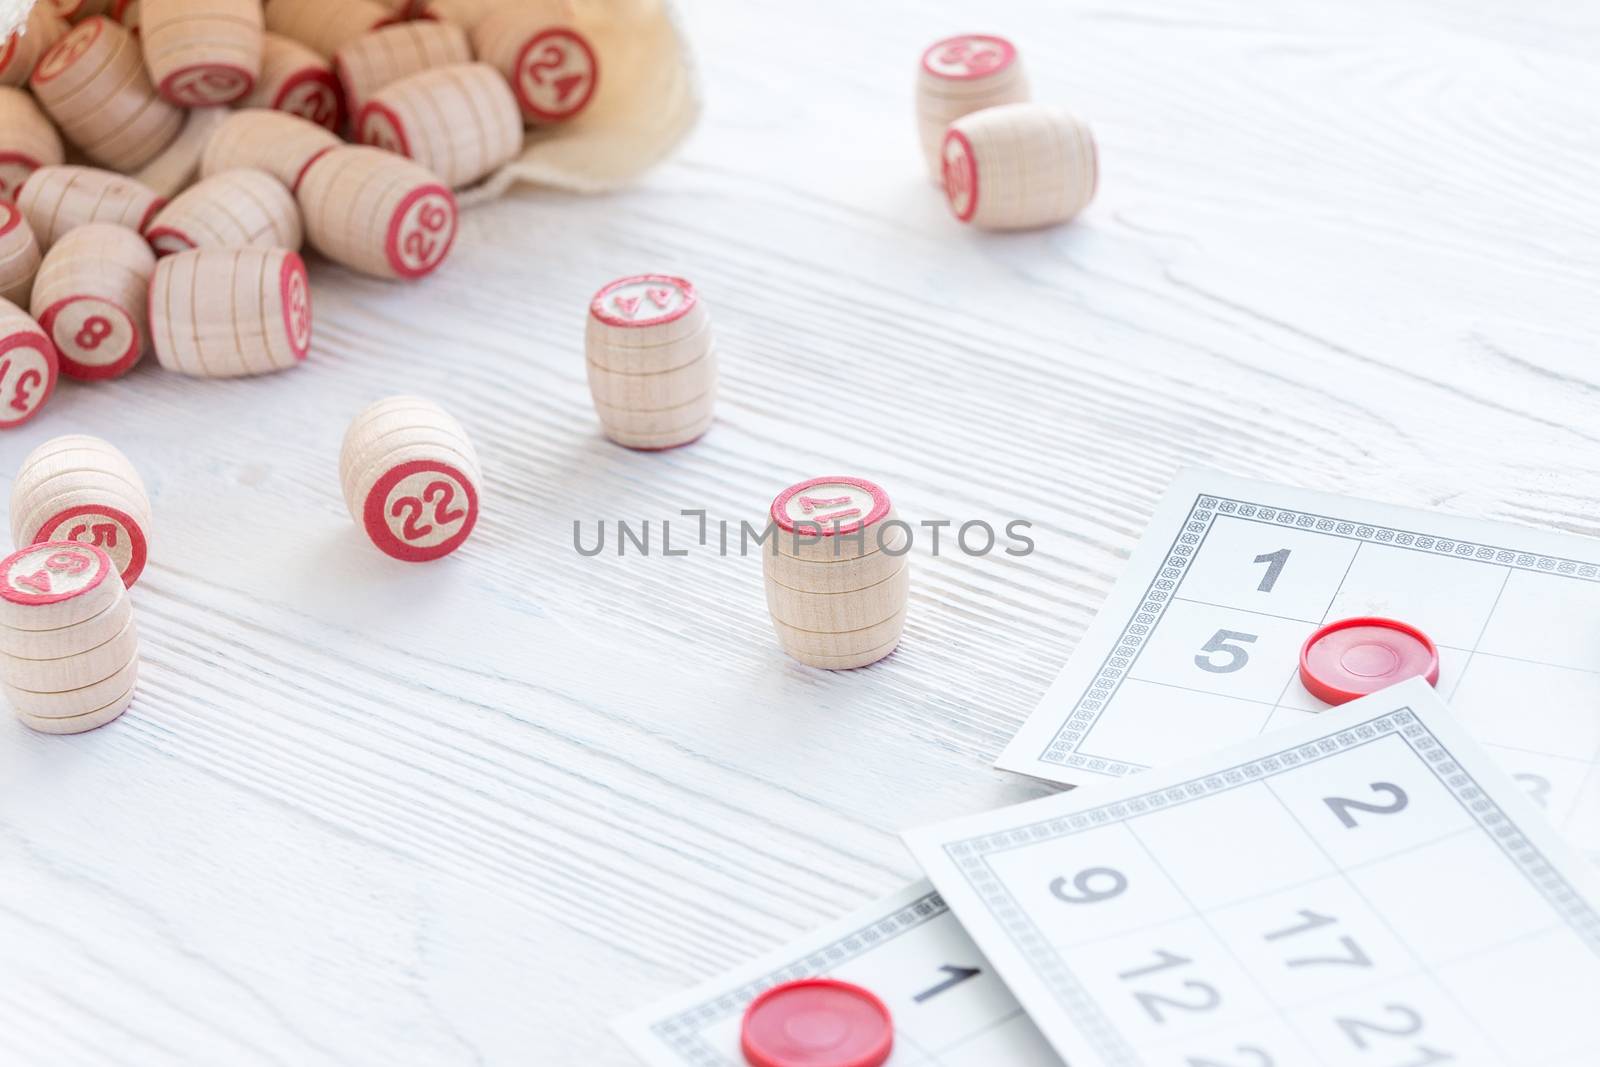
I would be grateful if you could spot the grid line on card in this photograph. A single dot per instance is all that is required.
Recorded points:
(1472, 653)
(684, 1031)
(1064, 747)
(1440, 772)
(971, 856)
(1200, 915)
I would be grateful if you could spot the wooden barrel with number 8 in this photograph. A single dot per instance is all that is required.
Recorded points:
(90, 299)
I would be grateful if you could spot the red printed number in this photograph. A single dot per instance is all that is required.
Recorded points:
(433, 219)
(552, 58)
(38, 580)
(22, 388)
(439, 494)
(977, 58)
(96, 328)
(105, 533)
(318, 107)
(69, 562)
(64, 562)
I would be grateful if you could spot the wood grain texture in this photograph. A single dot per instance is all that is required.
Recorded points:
(93, 84)
(467, 812)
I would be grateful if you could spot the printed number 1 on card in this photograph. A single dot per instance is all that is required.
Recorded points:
(1274, 562)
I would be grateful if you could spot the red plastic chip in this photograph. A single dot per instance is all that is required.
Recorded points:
(1353, 657)
(816, 1022)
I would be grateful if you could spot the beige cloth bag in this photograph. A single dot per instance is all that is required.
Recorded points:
(645, 103)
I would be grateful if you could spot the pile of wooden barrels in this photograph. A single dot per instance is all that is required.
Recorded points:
(162, 162)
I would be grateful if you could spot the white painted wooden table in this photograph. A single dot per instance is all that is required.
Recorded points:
(465, 813)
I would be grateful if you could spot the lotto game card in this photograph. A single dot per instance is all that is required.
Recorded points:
(1364, 889)
(948, 1007)
(1198, 644)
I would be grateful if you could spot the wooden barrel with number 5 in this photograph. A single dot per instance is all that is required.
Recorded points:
(81, 488)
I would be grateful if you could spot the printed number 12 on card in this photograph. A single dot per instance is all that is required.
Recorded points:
(1199, 644)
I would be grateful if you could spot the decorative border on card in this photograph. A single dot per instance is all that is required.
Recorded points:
(1063, 746)
(682, 1032)
(971, 855)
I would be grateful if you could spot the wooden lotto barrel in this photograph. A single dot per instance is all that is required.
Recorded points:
(325, 25)
(411, 478)
(550, 65)
(28, 365)
(90, 298)
(227, 313)
(93, 84)
(960, 75)
(384, 56)
(837, 574)
(281, 144)
(28, 141)
(81, 488)
(69, 646)
(460, 122)
(19, 255)
(233, 209)
(297, 80)
(24, 47)
(57, 200)
(651, 361)
(377, 213)
(1019, 166)
(202, 53)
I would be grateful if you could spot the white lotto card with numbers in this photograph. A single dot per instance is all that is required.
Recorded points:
(1199, 644)
(1365, 889)
(946, 1004)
